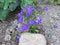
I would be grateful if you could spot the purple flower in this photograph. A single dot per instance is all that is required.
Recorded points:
(31, 22)
(39, 20)
(20, 14)
(25, 27)
(18, 38)
(55, 26)
(23, 9)
(46, 8)
(20, 29)
(20, 19)
(29, 10)
(27, 14)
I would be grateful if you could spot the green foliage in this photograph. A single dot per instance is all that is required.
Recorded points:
(33, 29)
(58, 1)
(24, 3)
(27, 2)
(3, 14)
(52, 2)
(6, 6)
(1, 3)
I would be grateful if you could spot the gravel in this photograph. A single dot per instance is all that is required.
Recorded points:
(51, 18)
(6, 28)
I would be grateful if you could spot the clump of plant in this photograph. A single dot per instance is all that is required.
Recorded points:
(27, 21)
(6, 6)
(27, 17)
(25, 2)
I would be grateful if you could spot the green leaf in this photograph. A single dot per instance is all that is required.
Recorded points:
(27, 2)
(3, 14)
(6, 4)
(58, 1)
(51, 2)
(33, 29)
(12, 6)
(1, 3)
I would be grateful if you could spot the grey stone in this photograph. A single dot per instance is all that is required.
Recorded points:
(8, 43)
(7, 37)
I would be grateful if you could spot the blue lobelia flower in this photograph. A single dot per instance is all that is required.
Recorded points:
(39, 20)
(30, 9)
(55, 26)
(45, 8)
(20, 19)
(18, 38)
(20, 29)
(23, 9)
(20, 14)
(31, 22)
(27, 14)
(25, 27)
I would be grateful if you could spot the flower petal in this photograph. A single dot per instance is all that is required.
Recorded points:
(20, 29)
(31, 22)
(25, 27)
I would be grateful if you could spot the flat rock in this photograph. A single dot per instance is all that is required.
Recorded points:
(32, 39)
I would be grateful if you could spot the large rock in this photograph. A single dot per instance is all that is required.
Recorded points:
(32, 39)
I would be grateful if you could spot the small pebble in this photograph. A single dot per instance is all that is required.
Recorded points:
(7, 37)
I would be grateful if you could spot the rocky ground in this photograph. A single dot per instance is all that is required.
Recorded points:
(50, 25)
(7, 28)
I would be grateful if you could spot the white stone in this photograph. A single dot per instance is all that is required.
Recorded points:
(3, 44)
(7, 37)
(32, 39)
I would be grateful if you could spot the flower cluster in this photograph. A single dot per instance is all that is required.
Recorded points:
(25, 13)
(20, 17)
